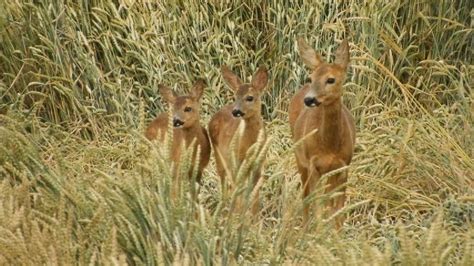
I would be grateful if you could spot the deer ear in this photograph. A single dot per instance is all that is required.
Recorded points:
(310, 58)
(342, 54)
(167, 93)
(260, 78)
(230, 78)
(198, 89)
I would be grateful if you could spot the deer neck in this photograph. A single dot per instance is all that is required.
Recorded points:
(253, 124)
(331, 125)
(192, 132)
(252, 127)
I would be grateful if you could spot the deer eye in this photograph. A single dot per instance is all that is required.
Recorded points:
(188, 109)
(330, 80)
(249, 98)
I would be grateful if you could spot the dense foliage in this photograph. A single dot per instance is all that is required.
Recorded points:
(80, 184)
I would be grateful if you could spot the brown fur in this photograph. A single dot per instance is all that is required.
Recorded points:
(189, 131)
(332, 145)
(223, 124)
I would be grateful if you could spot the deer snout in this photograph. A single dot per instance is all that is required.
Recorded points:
(177, 122)
(237, 113)
(311, 101)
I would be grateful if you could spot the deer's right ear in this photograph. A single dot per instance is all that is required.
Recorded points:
(167, 93)
(230, 78)
(310, 58)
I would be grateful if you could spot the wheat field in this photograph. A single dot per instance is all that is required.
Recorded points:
(79, 183)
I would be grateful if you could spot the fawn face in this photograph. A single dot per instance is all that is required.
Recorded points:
(185, 108)
(247, 96)
(326, 79)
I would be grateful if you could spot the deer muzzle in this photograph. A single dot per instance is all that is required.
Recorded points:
(177, 122)
(237, 113)
(311, 101)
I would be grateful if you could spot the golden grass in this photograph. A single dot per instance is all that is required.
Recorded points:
(80, 184)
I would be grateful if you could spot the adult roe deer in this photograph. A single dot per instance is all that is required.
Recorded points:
(225, 123)
(186, 127)
(317, 114)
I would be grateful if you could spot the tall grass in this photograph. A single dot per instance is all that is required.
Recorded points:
(79, 183)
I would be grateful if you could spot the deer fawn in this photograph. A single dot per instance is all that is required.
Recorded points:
(186, 126)
(317, 114)
(224, 124)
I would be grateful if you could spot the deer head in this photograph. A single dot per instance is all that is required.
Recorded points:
(326, 79)
(247, 95)
(185, 108)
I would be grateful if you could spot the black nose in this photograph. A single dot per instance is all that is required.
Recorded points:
(311, 101)
(177, 122)
(237, 113)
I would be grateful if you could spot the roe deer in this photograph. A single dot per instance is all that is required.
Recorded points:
(186, 126)
(317, 114)
(224, 124)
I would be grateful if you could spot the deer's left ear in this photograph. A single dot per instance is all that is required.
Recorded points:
(198, 89)
(342, 54)
(260, 78)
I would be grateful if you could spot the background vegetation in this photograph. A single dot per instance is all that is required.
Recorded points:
(78, 84)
